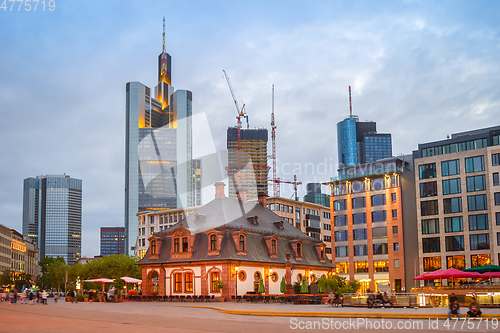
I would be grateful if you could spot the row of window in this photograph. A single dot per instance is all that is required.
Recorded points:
(360, 202)
(456, 243)
(455, 224)
(434, 263)
(379, 266)
(454, 205)
(367, 185)
(362, 250)
(289, 209)
(452, 167)
(452, 186)
(358, 234)
(457, 147)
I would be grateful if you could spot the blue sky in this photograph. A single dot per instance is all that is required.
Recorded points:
(421, 69)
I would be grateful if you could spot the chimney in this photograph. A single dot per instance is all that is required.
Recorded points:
(263, 200)
(219, 190)
(242, 195)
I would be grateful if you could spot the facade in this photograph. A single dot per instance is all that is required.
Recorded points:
(158, 150)
(196, 189)
(5, 248)
(314, 195)
(359, 143)
(154, 221)
(310, 218)
(17, 254)
(247, 168)
(112, 240)
(373, 224)
(232, 241)
(52, 215)
(458, 200)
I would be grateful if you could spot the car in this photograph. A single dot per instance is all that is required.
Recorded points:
(483, 284)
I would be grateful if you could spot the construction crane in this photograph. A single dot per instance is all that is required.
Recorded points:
(275, 180)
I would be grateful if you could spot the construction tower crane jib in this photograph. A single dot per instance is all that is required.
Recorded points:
(241, 112)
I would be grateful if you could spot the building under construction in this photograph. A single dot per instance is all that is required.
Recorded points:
(247, 167)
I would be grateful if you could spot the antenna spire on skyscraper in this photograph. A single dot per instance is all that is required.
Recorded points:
(163, 34)
(350, 104)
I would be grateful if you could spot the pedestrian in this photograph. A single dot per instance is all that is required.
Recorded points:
(38, 296)
(56, 296)
(474, 308)
(32, 297)
(91, 295)
(454, 309)
(23, 296)
(115, 294)
(44, 297)
(73, 296)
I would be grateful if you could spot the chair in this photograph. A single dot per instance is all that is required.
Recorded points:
(195, 298)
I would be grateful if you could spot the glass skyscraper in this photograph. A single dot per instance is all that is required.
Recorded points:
(158, 149)
(112, 240)
(52, 215)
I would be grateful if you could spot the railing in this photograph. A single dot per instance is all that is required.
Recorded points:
(405, 300)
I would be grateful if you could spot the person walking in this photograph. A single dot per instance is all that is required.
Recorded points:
(474, 308)
(23, 296)
(56, 297)
(73, 296)
(31, 297)
(44, 297)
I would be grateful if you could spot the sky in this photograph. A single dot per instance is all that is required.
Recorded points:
(421, 69)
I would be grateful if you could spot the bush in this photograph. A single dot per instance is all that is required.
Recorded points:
(219, 284)
(296, 288)
(80, 298)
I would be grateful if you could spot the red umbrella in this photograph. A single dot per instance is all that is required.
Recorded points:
(434, 275)
(102, 280)
(454, 273)
(489, 275)
(422, 276)
(476, 275)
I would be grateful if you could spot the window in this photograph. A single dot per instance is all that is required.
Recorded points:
(478, 260)
(359, 218)
(213, 242)
(327, 226)
(342, 267)
(477, 202)
(379, 216)
(341, 236)
(381, 266)
(450, 168)
(327, 238)
(430, 226)
(360, 250)
(478, 222)
(152, 230)
(480, 242)
(185, 244)
(378, 200)
(380, 248)
(454, 243)
(395, 246)
(427, 171)
(379, 232)
(273, 246)
(497, 199)
(394, 229)
(496, 179)
(152, 219)
(359, 234)
(242, 243)
(339, 205)
(432, 264)
(476, 183)
(394, 213)
(188, 282)
(428, 189)
(178, 282)
(474, 164)
(495, 159)
(215, 278)
(497, 218)
(452, 205)
(341, 251)
(396, 264)
(177, 245)
(358, 202)
(393, 197)
(340, 220)
(431, 245)
(451, 186)
(498, 238)
(429, 208)
(457, 262)
(453, 224)
(299, 250)
(274, 277)
(360, 267)
(153, 247)
(242, 276)
(271, 206)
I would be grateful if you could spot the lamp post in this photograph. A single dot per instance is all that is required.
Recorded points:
(236, 269)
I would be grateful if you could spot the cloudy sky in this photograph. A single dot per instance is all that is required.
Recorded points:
(421, 69)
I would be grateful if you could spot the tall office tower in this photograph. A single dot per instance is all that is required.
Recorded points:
(52, 215)
(112, 240)
(158, 148)
(359, 143)
(314, 195)
(247, 169)
(196, 192)
(458, 200)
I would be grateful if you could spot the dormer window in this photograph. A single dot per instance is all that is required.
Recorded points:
(242, 243)
(299, 250)
(153, 247)
(185, 244)
(177, 247)
(320, 249)
(213, 242)
(273, 246)
(182, 243)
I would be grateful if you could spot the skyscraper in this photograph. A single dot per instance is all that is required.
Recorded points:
(52, 215)
(112, 240)
(359, 143)
(247, 169)
(314, 195)
(158, 148)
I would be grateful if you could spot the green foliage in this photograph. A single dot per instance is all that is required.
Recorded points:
(354, 285)
(296, 287)
(53, 272)
(9, 278)
(339, 285)
(80, 298)
(322, 284)
(219, 284)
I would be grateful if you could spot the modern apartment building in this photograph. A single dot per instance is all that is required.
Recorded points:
(373, 224)
(158, 150)
(112, 240)
(52, 215)
(314, 195)
(247, 167)
(458, 200)
(310, 218)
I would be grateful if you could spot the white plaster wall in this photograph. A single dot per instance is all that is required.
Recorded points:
(248, 284)
(274, 287)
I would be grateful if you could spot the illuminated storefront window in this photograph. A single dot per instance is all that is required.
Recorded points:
(457, 262)
(478, 260)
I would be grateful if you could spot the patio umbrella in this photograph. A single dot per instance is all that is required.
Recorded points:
(454, 273)
(321, 285)
(485, 268)
(283, 285)
(261, 289)
(303, 288)
(130, 280)
(101, 280)
(421, 276)
(433, 275)
(489, 275)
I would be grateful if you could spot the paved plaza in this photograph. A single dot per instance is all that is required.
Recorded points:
(225, 317)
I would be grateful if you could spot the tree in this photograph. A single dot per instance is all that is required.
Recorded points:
(51, 269)
(339, 285)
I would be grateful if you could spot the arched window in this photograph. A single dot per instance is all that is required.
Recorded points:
(273, 246)
(299, 250)
(213, 242)
(242, 242)
(153, 247)
(215, 278)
